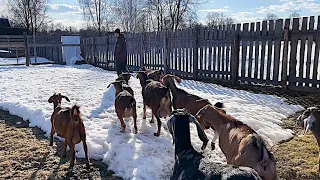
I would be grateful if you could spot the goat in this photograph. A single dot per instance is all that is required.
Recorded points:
(56, 99)
(310, 119)
(124, 76)
(157, 97)
(125, 104)
(190, 164)
(144, 79)
(183, 99)
(120, 86)
(68, 124)
(241, 145)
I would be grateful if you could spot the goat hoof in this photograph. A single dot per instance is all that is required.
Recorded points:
(144, 117)
(151, 121)
(156, 134)
(213, 146)
(122, 131)
(135, 131)
(50, 144)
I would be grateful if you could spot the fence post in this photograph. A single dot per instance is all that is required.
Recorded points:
(34, 48)
(284, 78)
(165, 48)
(141, 50)
(26, 48)
(235, 61)
(196, 53)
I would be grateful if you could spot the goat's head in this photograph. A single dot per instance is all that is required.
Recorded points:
(56, 99)
(75, 114)
(117, 85)
(306, 119)
(169, 78)
(142, 76)
(183, 112)
(156, 75)
(205, 111)
(124, 76)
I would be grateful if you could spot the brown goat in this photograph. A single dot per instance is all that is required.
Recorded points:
(157, 98)
(56, 99)
(68, 124)
(125, 104)
(241, 145)
(183, 99)
(120, 86)
(310, 119)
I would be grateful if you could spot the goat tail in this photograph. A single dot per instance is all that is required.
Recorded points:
(75, 110)
(266, 167)
(132, 103)
(219, 105)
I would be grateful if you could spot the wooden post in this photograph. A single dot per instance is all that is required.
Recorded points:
(34, 48)
(26, 48)
(165, 59)
(284, 78)
(235, 61)
(141, 50)
(195, 53)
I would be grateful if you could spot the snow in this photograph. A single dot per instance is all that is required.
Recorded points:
(71, 54)
(24, 92)
(22, 60)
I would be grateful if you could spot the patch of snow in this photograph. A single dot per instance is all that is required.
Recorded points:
(131, 156)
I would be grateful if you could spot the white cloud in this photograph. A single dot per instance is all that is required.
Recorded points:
(291, 5)
(245, 17)
(71, 22)
(63, 8)
(226, 7)
(214, 10)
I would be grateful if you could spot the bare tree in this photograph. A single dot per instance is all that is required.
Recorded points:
(271, 16)
(96, 13)
(216, 19)
(158, 8)
(295, 14)
(30, 14)
(129, 14)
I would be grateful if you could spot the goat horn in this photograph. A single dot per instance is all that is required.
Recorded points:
(170, 123)
(202, 135)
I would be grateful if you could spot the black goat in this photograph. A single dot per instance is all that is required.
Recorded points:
(189, 164)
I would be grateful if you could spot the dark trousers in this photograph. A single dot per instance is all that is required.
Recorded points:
(121, 66)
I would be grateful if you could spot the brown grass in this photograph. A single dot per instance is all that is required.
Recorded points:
(25, 154)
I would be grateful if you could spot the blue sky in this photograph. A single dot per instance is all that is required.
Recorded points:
(68, 12)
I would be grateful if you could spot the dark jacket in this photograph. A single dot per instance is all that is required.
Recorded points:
(120, 52)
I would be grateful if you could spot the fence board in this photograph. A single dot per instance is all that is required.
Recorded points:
(250, 51)
(263, 51)
(277, 48)
(244, 50)
(293, 55)
(310, 45)
(270, 47)
(256, 52)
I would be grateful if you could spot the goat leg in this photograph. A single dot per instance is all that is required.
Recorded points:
(214, 139)
(152, 118)
(51, 135)
(159, 126)
(86, 153)
(64, 149)
(72, 154)
(134, 115)
(144, 111)
(123, 125)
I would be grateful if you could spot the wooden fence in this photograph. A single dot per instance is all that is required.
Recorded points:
(280, 53)
(16, 46)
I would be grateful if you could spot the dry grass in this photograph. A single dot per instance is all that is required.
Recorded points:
(297, 158)
(25, 154)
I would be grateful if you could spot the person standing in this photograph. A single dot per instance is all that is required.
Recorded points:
(120, 53)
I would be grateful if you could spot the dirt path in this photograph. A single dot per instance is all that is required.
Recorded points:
(25, 154)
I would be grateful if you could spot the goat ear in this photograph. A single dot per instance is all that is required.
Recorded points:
(179, 80)
(66, 98)
(201, 134)
(110, 84)
(170, 123)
